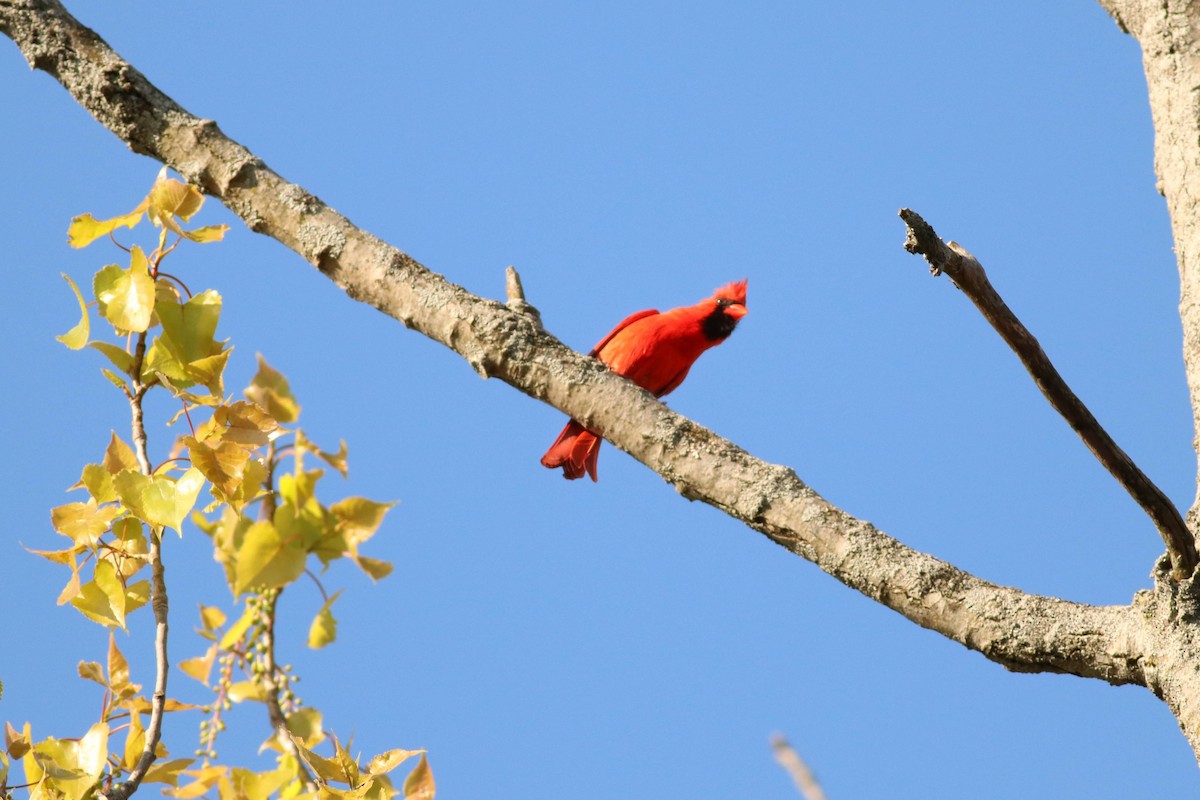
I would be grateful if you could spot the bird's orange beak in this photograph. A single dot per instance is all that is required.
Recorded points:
(737, 311)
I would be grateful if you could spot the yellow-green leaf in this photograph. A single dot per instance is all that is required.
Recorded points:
(246, 690)
(186, 352)
(305, 725)
(168, 771)
(325, 768)
(84, 523)
(209, 233)
(117, 355)
(205, 779)
(119, 456)
(359, 518)
(126, 297)
(159, 500)
(77, 337)
(118, 666)
(135, 741)
(237, 630)
(375, 568)
(419, 784)
(211, 617)
(247, 424)
(323, 630)
(98, 481)
(386, 762)
(71, 590)
(222, 464)
(105, 600)
(200, 667)
(270, 390)
(92, 671)
(86, 229)
(16, 743)
(336, 460)
(169, 197)
(267, 559)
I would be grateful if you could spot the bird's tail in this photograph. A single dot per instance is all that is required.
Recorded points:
(575, 450)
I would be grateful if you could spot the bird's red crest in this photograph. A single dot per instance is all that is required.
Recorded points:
(735, 291)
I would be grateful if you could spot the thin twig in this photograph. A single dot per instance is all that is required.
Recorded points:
(789, 759)
(158, 596)
(969, 276)
(271, 679)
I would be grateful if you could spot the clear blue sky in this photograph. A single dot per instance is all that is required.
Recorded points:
(546, 639)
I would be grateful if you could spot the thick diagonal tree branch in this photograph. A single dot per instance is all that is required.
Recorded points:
(1023, 632)
(1055, 636)
(969, 276)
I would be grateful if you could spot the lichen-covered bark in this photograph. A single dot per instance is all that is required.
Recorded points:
(1028, 633)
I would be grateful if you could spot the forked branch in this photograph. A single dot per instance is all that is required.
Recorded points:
(969, 276)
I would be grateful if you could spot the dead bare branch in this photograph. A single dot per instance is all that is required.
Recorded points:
(969, 276)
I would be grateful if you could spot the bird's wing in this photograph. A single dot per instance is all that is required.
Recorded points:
(621, 326)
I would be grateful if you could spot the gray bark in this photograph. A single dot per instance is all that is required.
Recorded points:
(1151, 642)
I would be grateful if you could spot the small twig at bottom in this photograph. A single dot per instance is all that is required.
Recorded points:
(789, 759)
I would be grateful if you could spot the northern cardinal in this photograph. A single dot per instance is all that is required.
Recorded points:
(655, 351)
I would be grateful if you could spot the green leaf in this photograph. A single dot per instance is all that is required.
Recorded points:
(247, 690)
(186, 352)
(267, 559)
(113, 378)
(126, 297)
(323, 630)
(237, 630)
(77, 337)
(270, 390)
(359, 518)
(159, 500)
(97, 480)
(117, 355)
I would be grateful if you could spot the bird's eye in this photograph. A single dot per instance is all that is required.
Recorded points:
(724, 302)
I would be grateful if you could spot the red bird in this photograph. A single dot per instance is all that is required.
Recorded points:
(655, 351)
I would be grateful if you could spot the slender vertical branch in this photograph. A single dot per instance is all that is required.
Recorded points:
(271, 672)
(969, 276)
(158, 593)
(271, 678)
